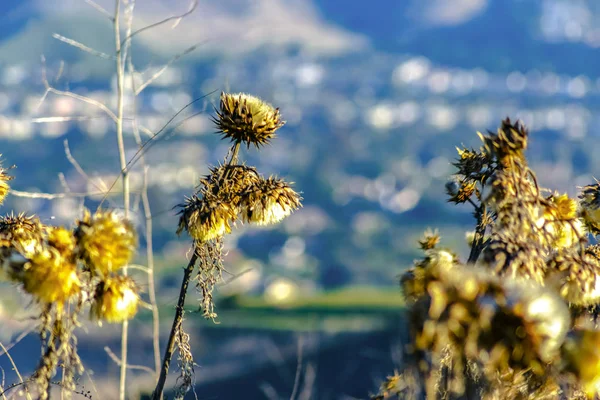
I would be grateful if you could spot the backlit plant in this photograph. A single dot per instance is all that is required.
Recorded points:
(66, 271)
(232, 193)
(517, 319)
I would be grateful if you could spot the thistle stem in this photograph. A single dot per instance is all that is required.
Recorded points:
(477, 246)
(234, 154)
(158, 391)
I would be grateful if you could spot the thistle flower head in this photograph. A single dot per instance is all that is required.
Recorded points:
(461, 191)
(206, 218)
(48, 276)
(229, 182)
(269, 201)
(508, 143)
(589, 200)
(115, 299)
(21, 231)
(429, 240)
(106, 241)
(473, 164)
(245, 118)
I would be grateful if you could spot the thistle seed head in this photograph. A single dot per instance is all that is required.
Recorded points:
(206, 218)
(245, 118)
(106, 241)
(269, 201)
(115, 299)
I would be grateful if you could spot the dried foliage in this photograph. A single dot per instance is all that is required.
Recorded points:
(66, 271)
(518, 318)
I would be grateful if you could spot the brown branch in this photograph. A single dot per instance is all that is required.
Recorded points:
(187, 275)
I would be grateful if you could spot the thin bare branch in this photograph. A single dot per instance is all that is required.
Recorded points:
(82, 47)
(85, 99)
(12, 362)
(51, 196)
(117, 361)
(43, 120)
(158, 73)
(78, 168)
(100, 9)
(176, 18)
(139, 152)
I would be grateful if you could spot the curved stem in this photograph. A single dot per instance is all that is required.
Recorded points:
(158, 391)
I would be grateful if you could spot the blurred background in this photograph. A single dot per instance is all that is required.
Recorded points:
(376, 96)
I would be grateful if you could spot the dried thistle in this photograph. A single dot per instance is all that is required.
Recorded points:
(589, 201)
(115, 299)
(508, 144)
(248, 119)
(106, 241)
(430, 239)
(206, 218)
(269, 201)
(4, 187)
(48, 276)
(24, 232)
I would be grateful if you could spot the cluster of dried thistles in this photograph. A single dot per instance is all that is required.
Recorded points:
(234, 192)
(518, 318)
(66, 270)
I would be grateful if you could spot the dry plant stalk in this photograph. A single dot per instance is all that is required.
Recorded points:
(518, 318)
(66, 270)
(232, 192)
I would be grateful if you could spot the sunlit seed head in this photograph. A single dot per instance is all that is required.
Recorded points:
(106, 241)
(206, 218)
(4, 186)
(429, 240)
(269, 201)
(48, 276)
(245, 118)
(21, 231)
(116, 299)
(589, 201)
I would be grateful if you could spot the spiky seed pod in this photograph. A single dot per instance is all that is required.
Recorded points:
(228, 183)
(466, 188)
(115, 299)
(269, 201)
(48, 276)
(472, 164)
(248, 119)
(4, 187)
(581, 356)
(429, 240)
(559, 221)
(589, 200)
(106, 241)
(577, 278)
(509, 142)
(206, 218)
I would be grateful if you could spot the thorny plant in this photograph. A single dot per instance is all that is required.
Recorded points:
(231, 193)
(66, 271)
(518, 319)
